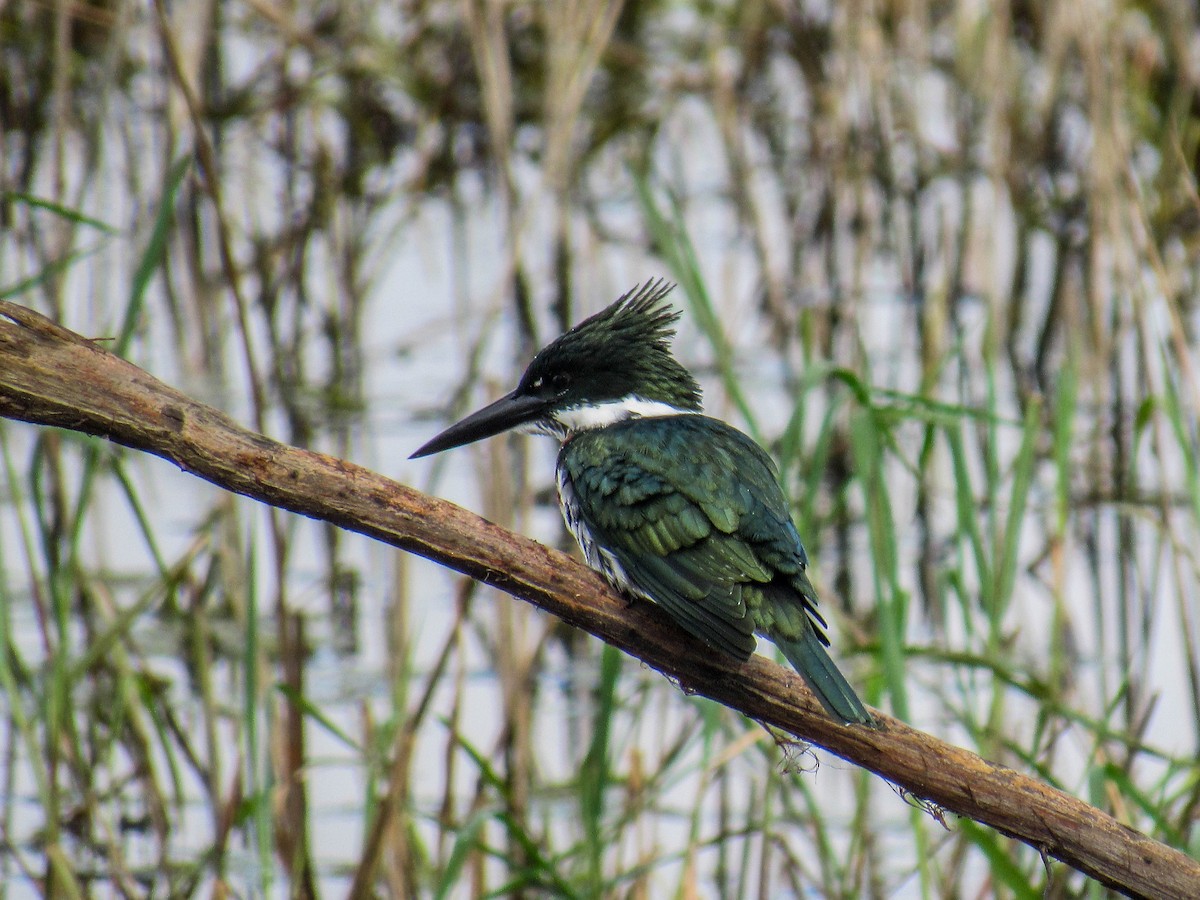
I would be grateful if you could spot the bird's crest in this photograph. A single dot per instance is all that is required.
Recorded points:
(624, 351)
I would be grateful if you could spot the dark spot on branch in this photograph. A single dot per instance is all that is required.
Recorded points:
(174, 417)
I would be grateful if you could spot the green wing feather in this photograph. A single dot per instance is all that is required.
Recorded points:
(692, 510)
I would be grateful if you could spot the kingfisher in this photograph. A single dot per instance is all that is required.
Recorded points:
(669, 505)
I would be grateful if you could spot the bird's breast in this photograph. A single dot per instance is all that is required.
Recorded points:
(598, 557)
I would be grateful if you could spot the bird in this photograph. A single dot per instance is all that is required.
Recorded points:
(666, 503)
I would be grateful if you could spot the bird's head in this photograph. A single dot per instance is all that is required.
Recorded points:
(613, 366)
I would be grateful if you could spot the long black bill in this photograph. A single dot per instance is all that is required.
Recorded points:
(508, 412)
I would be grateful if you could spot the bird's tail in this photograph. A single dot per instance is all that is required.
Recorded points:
(810, 659)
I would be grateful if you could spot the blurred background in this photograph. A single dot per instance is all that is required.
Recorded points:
(939, 257)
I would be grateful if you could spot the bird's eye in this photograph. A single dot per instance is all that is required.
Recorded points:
(561, 381)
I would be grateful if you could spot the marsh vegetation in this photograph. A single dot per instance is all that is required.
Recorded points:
(940, 258)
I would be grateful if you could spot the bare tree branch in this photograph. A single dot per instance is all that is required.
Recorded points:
(52, 376)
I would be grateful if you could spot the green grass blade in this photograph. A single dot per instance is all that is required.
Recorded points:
(63, 212)
(153, 256)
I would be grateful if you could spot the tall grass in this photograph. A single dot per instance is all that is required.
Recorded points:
(940, 259)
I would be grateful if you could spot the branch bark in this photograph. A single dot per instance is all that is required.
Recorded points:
(52, 376)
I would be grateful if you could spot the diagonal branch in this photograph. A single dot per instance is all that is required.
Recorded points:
(52, 376)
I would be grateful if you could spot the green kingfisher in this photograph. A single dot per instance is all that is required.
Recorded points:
(668, 504)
